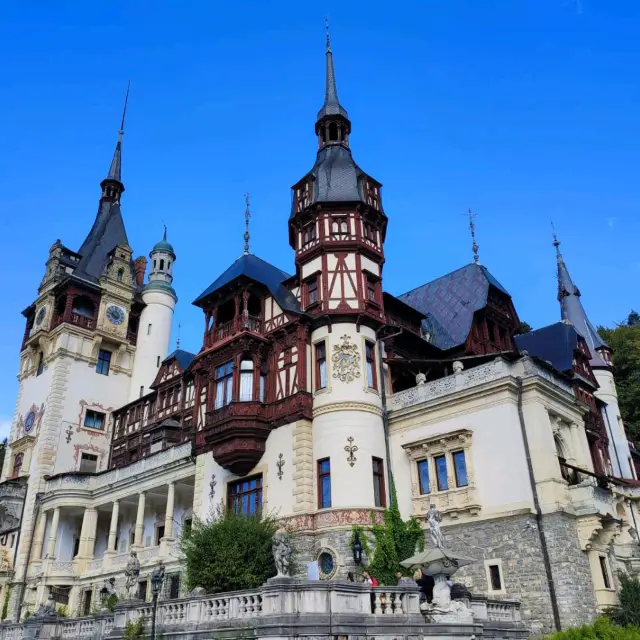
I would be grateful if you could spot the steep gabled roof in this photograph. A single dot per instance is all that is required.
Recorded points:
(184, 358)
(450, 301)
(260, 271)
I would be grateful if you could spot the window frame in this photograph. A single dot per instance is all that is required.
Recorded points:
(226, 380)
(235, 498)
(372, 289)
(88, 457)
(494, 563)
(378, 481)
(94, 415)
(439, 485)
(605, 572)
(40, 366)
(455, 468)
(18, 462)
(370, 363)
(246, 374)
(322, 477)
(103, 362)
(424, 463)
(313, 286)
(319, 361)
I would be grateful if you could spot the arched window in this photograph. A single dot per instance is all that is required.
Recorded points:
(168, 264)
(154, 263)
(17, 463)
(246, 380)
(161, 264)
(120, 274)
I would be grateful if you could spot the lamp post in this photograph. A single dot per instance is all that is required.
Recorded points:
(357, 548)
(157, 578)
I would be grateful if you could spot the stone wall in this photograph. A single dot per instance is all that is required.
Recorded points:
(516, 542)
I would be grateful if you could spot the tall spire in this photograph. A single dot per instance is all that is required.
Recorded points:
(115, 170)
(572, 311)
(331, 106)
(472, 229)
(247, 217)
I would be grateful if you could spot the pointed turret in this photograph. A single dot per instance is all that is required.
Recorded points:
(331, 106)
(573, 312)
(108, 229)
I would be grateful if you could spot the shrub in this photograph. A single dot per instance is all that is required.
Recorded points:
(601, 629)
(134, 630)
(627, 612)
(5, 604)
(63, 611)
(229, 552)
(395, 541)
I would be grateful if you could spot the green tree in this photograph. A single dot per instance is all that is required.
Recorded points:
(525, 327)
(395, 540)
(624, 341)
(601, 629)
(229, 551)
(627, 612)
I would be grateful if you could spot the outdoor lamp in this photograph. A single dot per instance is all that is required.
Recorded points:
(357, 548)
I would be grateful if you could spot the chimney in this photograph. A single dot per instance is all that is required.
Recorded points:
(140, 265)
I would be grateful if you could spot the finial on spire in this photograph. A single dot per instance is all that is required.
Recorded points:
(164, 237)
(556, 242)
(124, 113)
(472, 228)
(247, 216)
(178, 337)
(326, 27)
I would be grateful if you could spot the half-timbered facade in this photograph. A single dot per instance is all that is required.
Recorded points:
(307, 395)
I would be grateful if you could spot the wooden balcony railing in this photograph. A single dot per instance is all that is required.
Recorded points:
(237, 325)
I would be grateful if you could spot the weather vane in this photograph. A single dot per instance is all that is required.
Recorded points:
(472, 228)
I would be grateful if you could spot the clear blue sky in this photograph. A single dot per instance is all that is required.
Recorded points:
(523, 110)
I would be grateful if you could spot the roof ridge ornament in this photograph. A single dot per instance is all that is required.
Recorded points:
(472, 229)
(326, 26)
(247, 217)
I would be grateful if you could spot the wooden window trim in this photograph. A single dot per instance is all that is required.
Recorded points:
(313, 280)
(258, 490)
(321, 476)
(370, 359)
(318, 382)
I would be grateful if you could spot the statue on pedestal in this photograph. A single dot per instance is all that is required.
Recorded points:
(282, 553)
(434, 518)
(132, 574)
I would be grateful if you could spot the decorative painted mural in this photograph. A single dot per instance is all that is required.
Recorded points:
(29, 423)
(12, 495)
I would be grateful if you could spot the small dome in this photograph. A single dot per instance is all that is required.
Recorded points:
(164, 245)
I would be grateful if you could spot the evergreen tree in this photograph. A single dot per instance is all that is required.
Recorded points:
(624, 340)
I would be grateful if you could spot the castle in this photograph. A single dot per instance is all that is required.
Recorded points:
(310, 393)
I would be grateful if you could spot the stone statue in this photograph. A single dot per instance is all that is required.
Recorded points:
(47, 609)
(434, 518)
(132, 573)
(420, 379)
(4, 560)
(281, 546)
(458, 367)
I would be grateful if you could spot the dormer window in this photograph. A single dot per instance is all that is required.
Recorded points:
(339, 225)
(309, 234)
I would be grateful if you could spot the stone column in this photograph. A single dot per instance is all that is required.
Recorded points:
(168, 518)
(91, 532)
(140, 520)
(83, 534)
(38, 538)
(113, 527)
(53, 534)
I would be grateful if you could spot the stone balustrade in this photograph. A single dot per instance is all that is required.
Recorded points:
(138, 469)
(286, 607)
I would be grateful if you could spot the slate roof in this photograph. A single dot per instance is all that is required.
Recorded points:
(331, 106)
(106, 233)
(571, 309)
(555, 344)
(450, 301)
(184, 358)
(260, 271)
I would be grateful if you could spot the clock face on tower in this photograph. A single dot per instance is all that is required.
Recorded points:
(41, 315)
(28, 423)
(115, 315)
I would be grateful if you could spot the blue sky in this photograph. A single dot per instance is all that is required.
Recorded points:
(525, 111)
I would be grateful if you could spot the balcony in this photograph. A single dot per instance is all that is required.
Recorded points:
(232, 327)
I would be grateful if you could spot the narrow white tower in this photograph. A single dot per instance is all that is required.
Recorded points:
(154, 331)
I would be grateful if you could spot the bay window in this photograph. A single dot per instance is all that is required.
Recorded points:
(223, 384)
(246, 380)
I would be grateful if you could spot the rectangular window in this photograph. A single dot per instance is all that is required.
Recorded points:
(158, 361)
(312, 288)
(263, 380)
(309, 233)
(40, 364)
(223, 384)
(142, 590)
(370, 353)
(423, 476)
(495, 577)
(321, 365)
(141, 391)
(441, 473)
(460, 468)
(104, 362)
(86, 602)
(324, 484)
(371, 289)
(246, 380)
(88, 463)
(187, 526)
(149, 329)
(173, 588)
(245, 496)
(159, 534)
(94, 419)
(604, 567)
(379, 499)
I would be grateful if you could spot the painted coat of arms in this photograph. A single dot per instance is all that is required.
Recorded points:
(346, 360)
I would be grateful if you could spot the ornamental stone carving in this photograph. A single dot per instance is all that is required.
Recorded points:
(346, 360)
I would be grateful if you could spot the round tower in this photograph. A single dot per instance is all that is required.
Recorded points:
(154, 331)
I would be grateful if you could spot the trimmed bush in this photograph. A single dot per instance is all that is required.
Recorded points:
(601, 629)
